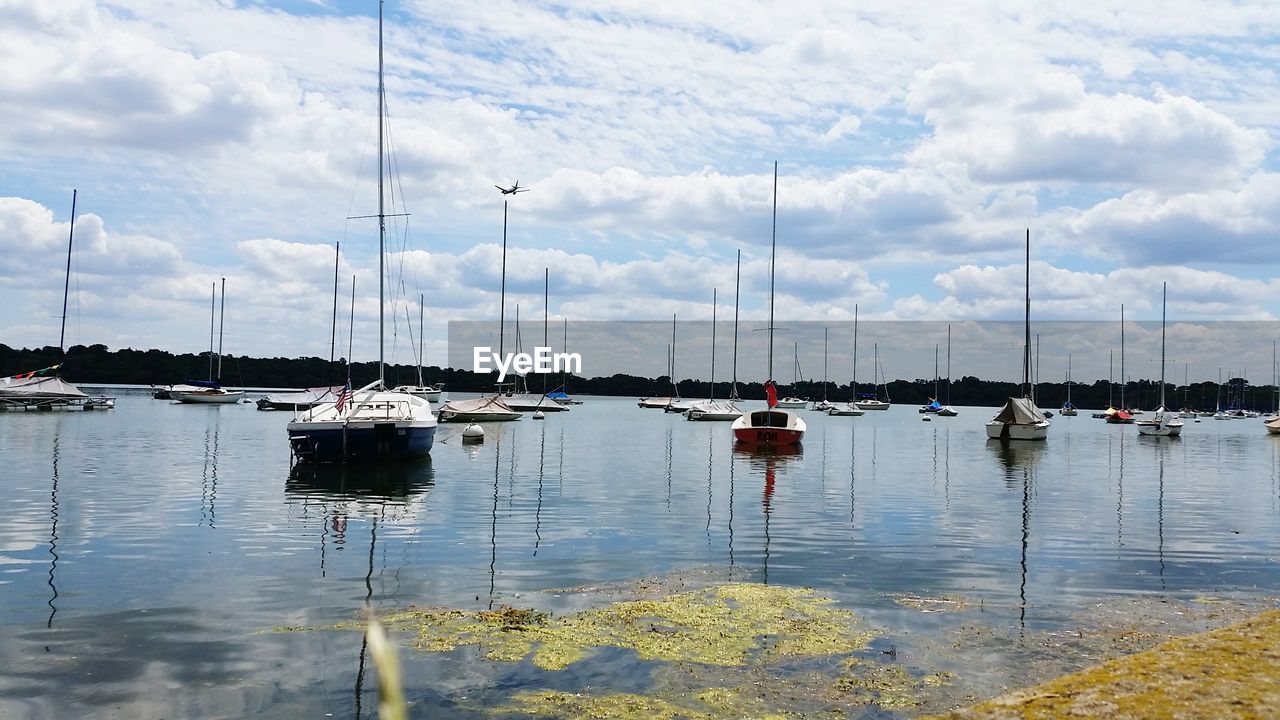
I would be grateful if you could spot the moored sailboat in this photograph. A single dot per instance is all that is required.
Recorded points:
(712, 409)
(849, 409)
(947, 410)
(771, 427)
(1020, 419)
(205, 392)
(1164, 423)
(371, 423)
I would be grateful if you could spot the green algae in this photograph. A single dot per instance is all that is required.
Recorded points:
(723, 625)
(1225, 673)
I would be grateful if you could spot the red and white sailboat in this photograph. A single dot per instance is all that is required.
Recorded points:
(771, 427)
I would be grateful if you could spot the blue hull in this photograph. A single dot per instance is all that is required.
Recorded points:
(383, 441)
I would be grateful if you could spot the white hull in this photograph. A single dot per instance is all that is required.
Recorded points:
(1011, 431)
(844, 409)
(430, 394)
(792, 403)
(208, 397)
(1155, 429)
(1273, 427)
(872, 405)
(948, 411)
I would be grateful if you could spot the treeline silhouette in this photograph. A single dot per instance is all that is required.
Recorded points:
(97, 364)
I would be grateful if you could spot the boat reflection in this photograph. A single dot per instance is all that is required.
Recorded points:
(765, 461)
(1019, 461)
(374, 483)
(1016, 457)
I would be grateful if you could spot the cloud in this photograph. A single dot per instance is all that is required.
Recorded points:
(1042, 125)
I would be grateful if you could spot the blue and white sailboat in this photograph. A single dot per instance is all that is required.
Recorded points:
(371, 423)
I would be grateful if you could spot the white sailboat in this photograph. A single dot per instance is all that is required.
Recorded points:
(770, 428)
(430, 392)
(1164, 423)
(371, 423)
(45, 389)
(713, 409)
(791, 401)
(210, 391)
(1067, 408)
(873, 402)
(947, 410)
(848, 409)
(1020, 419)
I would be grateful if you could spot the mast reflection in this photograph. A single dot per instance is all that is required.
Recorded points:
(1019, 461)
(764, 461)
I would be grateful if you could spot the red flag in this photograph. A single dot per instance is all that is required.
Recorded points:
(771, 393)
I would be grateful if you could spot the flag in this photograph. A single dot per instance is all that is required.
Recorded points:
(344, 396)
(771, 393)
(37, 373)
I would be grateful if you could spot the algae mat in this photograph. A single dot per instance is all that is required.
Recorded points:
(1229, 673)
(724, 625)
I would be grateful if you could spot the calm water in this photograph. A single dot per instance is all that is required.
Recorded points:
(146, 553)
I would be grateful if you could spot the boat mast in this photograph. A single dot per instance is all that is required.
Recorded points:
(713, 344)
(66, 284)
(546, 300)
(824, 364)
(222, 316)
(1068, 378)
(1111, 377)
(1123, 379)
(351, 328)
(333, 329)
(502, 301)
(565, 371)
(935, 372)
(382, 217)
(948, 364)
(737, 291)
(213, 304)
(422, 299)
(854, 379)
(1164, 292)
(1026, 344)
(675, 386)
(773, 258)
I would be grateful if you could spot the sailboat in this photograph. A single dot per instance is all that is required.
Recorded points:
(676, 404)
(947, 410)
(371, 423)
(45, 389)
(849, 408)
(872, 400)
(770, 428)
(516, 395)
(561, 394)
(310, 397)
(198, 392)
(934, 406)
(1164, 424)
(712, 409)
(430, 392)
(823, 404)
(1067, 408)
(1020, 419)
(791, 401)
(1122, 416)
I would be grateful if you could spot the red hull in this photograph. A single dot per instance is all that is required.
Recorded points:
(768, 436)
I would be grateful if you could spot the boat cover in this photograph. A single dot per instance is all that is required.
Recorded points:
(39, 387)
(491, 403)
(1019, 411)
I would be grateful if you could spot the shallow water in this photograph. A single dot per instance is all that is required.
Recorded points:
(146, 554)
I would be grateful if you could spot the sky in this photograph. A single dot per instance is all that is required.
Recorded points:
(916, 144)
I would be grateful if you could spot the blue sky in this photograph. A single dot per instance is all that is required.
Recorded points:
(915, 142)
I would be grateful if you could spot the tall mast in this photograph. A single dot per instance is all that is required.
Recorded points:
(935, 371)
(948, 364)
(713, 344)
(565, 371)
(382, 217)
(737, 291)
(1111, 377)
(1123, 380)
(674, 385)
(1068, 378)
(422, 299)
(66, 284)
(854, 379)
(333, 329)
(824, 364)
(502, 301)
(546, 300)
(1026, 344)
(213, 304)
(1164, 292)
(222, 316)
(773, 258)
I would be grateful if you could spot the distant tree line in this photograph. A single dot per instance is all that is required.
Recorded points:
(97, 364)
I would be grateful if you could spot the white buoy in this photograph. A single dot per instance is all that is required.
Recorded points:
(473, 433)
(926, 418)
(537, 415)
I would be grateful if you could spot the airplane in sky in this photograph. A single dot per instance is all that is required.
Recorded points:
(513, 189)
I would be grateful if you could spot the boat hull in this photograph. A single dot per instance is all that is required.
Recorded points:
(207, 398)
(872, 405)
(338, 442)
(769, 428)
(1155, 429)
(1012, 431)
(470, 417)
